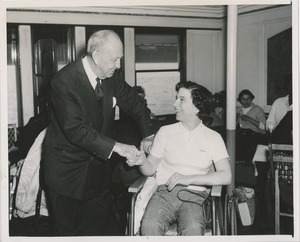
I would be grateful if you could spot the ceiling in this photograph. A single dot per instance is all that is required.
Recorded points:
(209, 11)
(197, 11)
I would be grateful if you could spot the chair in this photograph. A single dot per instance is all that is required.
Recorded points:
(218, 223)
(281, 163)
(28, 208)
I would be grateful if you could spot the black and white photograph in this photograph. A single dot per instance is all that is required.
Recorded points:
(145, 121)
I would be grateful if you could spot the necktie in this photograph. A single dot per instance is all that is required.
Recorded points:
(99, 89)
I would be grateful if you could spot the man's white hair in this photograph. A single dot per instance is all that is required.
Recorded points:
(99, 39)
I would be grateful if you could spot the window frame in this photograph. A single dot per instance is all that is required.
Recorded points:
(181, 33)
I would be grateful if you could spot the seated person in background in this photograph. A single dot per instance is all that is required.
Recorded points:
(279, 122)
(283, 133)
(35, 125)
(141, 91)
(280, 126)
(181, 157)
(251, 123)
(219, 113)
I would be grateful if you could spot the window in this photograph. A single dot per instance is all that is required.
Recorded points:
(13, 76)
(157, 64)
(279, 65)
(52, 51)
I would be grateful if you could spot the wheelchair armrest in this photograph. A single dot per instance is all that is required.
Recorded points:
(216, 191)
(137, 185)
(134, 188)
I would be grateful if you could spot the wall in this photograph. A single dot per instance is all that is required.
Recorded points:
(97, 16)
(206, 53)
(205, 58)
(206, 50)
(253, 31)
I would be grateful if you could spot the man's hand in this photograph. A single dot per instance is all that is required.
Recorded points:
(139, 160)
(146, 144)
(177, 178)
(128, 151)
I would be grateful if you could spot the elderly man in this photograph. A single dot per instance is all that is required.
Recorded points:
(77, 143)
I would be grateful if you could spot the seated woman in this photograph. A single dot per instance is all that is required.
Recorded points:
(251, 123)
(182, 156)
(281, 106)
(218, 113)
(280, 118)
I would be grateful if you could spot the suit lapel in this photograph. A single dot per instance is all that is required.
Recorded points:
(88, 95)
(100, 120)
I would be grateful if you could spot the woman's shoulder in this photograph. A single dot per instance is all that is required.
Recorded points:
(255, 106)
(170, 127)
(211, 133)
(170, 130)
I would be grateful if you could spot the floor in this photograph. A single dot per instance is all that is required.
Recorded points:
(262, 224)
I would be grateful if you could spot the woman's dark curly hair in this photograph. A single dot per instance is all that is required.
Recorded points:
(245, 92)
(202, 98)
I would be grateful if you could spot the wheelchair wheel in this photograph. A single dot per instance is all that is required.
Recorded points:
(230, 216)
(226, 219)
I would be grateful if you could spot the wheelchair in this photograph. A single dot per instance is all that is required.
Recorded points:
(222, 211)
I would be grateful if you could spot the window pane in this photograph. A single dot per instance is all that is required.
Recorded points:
(156, 51)
(52, 51)
(55, 47)
(279, 64)
(160, 90)
(62, 55)
(12, 68)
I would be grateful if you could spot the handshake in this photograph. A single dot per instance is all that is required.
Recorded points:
(136, 159)
(134, 156)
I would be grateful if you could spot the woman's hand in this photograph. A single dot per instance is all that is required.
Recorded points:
(138, 160)
(177, 178)
(146, 144)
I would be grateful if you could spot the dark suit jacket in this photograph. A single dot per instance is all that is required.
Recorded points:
(76, 145)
